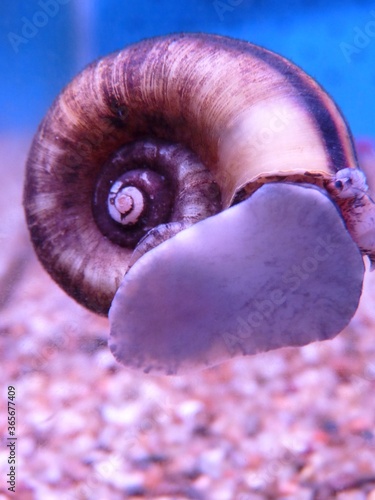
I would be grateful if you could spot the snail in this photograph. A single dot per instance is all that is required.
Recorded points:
(205, 193)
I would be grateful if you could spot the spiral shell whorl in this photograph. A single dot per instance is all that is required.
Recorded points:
(208, 93)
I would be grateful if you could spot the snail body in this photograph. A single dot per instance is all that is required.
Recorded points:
(149, 141)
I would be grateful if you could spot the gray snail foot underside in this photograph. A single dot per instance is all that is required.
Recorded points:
(264, 274)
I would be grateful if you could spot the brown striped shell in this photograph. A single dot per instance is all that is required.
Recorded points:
(239, 113)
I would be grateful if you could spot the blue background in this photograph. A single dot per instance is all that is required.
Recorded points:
(312, 34)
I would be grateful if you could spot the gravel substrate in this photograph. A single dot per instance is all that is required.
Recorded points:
(297, 423)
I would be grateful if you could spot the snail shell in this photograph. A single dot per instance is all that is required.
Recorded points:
(150, 140)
